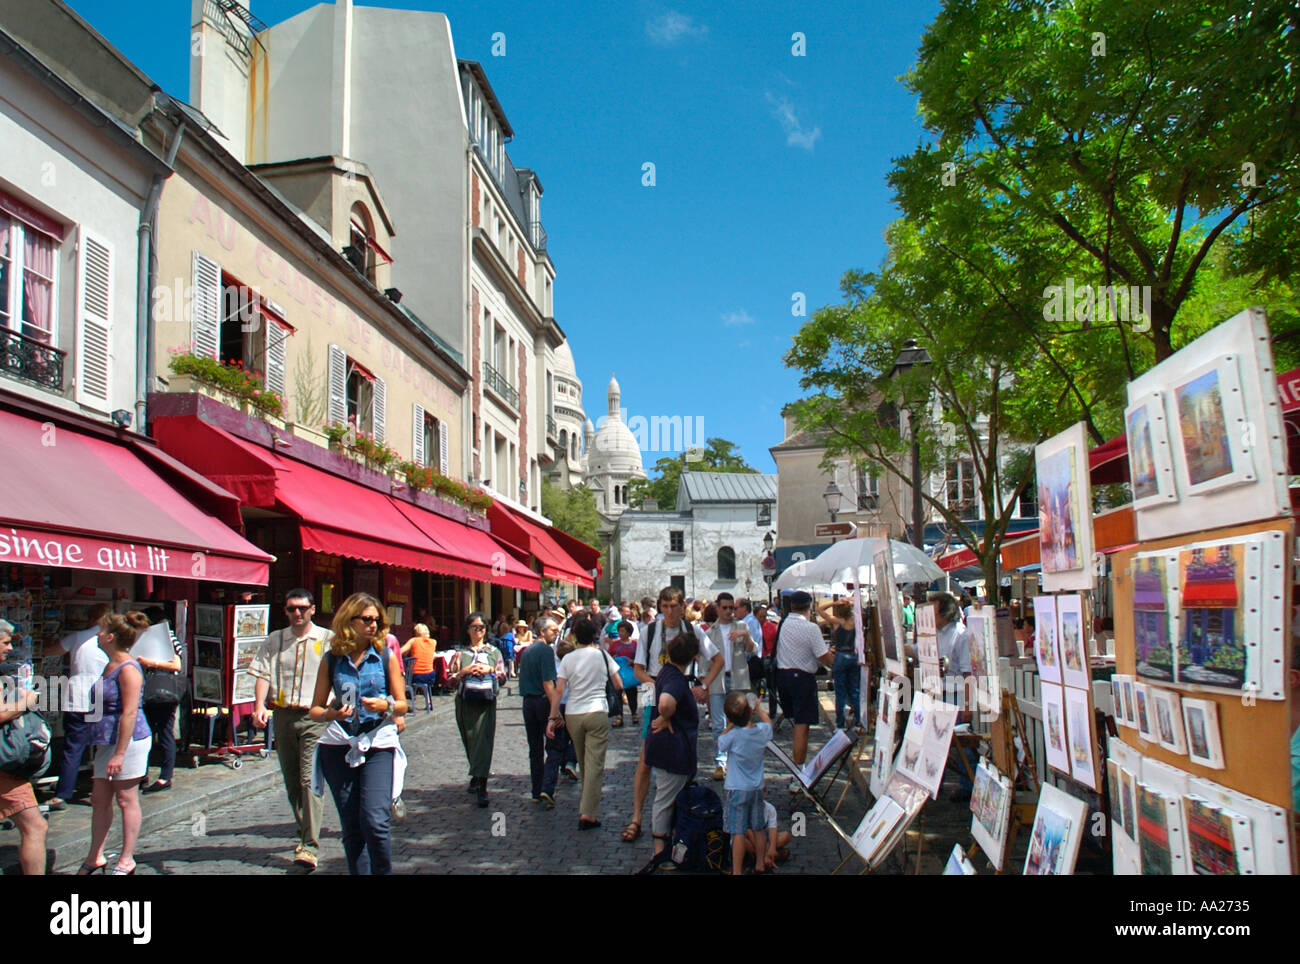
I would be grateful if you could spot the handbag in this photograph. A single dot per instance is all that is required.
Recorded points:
(162, 686)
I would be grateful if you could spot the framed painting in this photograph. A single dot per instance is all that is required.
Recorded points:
(1150, 459)
(1073, 645)
(208, 686)
(1057, 831)
(251, 621)
(1082, 737)
(1155, 607)
(1213, 450)
(1201, 725)
(209, 620)
(1065, 511)
(1169, 720)
(891, 621)
(1054, 735)
(1047, 650)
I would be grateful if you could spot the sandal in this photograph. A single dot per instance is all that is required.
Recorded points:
(631, 832)
(87, 869)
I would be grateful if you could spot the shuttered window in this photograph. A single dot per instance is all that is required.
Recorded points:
(205, 307)
(94, 363)
(338, 385)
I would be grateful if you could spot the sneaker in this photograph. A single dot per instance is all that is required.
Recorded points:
(547, 799)
(719, 773)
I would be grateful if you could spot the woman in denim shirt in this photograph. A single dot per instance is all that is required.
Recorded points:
(359, 755)
(121, 739)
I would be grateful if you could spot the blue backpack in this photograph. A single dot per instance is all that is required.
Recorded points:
(699, 844)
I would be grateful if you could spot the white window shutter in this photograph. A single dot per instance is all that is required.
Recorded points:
(94, 367)
(338, 407)
(378, 408)
(205, 307)
(276, 350)
(442, 447)
(418, 454)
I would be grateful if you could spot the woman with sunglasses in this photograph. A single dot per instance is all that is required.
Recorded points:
(477, 670)
(359, 755)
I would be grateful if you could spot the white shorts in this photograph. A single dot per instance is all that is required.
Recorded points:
(134, 766)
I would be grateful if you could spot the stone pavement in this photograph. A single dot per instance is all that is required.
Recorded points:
(218, 821)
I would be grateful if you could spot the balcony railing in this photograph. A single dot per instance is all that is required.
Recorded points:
(498, 383)
(538, 234)
(31, 360)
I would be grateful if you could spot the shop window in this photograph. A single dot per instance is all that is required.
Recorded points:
(727, 563)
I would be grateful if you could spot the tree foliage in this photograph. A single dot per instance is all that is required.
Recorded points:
(717, 455)
(572, 511)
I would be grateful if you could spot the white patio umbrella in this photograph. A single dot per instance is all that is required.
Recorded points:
(795, 577)
(854, 560)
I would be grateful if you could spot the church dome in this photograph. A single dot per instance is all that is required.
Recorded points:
(614, 451)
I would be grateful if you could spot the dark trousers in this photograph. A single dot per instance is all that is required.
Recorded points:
(364, 798)
(162, 719)
(560, 752)
(76, 733)
(537, 710)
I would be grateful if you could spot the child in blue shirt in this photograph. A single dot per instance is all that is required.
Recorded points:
(744, 741)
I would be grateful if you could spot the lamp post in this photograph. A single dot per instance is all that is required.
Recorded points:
(832, 496)
(769, 564)
(910, 357)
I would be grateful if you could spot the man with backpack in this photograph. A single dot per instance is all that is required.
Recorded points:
(652, 654)
(17, 799)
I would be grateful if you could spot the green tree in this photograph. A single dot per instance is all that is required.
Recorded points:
(717, 455)
(1127, 141)
(572, 511)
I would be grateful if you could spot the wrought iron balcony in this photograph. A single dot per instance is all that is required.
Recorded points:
(498, 383)
(538, 234)
(31, 360)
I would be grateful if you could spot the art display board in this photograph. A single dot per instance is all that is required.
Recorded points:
(958, 864)
(927, 648)
(924, 753)
(889, 701)
(1055, 740)
(1056, 834)
(1047, 650)
(1254, 734)
(1209, 614)
(891, 614)
(1223, 423)
(1081, 737)
(1065, 510)
(1071, 626)
(990, 806)
(982, 625)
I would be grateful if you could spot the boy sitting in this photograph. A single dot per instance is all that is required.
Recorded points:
(743, 741)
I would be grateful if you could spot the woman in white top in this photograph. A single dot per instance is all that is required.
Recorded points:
(580, 684)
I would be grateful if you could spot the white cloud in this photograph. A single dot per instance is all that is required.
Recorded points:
(738, 317)
(669, 27)
(795, 134)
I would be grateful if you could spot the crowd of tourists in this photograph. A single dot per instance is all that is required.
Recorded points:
(336, 699)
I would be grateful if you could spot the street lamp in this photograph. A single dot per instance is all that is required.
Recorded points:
(910, 357)
(832, 496)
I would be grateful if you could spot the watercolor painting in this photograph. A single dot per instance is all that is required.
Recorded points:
(1204, 428)
(1059, 515)
(1155, 655)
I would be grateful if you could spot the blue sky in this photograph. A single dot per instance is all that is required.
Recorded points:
(769, 174)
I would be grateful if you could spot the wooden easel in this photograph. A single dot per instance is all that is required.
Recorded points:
(1010, 724)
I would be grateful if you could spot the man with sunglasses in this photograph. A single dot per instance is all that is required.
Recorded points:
(289, 660)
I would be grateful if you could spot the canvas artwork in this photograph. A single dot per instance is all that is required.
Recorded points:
(1058, 500)
(1054, 736)
(1210, 421)
(1128, 796)
(1073, 645)
(1145, 713)
(1267, 828)
(983, 629)
(1213, 618)
(251, 620)
(207, 685)
(1046, 649)
(1215, 838)
(209, 621)
(1151, 471)
(1082, 745)
(1154, 833)
(1151, 617)
(1201, 724)
(891, 622)
(1169, 720)
(1054, 840)
(207, 653)
(991, 810)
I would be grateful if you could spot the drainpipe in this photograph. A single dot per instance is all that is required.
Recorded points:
(145, 276)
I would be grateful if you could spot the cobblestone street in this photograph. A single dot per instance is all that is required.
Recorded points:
(444, 832)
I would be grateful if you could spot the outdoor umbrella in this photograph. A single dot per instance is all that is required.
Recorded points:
(853, 560)
(795, 576)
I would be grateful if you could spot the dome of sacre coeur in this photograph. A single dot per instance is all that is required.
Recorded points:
(615, 449)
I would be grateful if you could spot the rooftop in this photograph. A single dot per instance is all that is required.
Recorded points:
(726, 487)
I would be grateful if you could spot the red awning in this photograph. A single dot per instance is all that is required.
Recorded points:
(957, 559)
(588, 557)
(86, 502)
(1108, 462)
(341, 517)
(539, 541)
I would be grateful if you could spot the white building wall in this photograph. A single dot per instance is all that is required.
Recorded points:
(54, 160)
